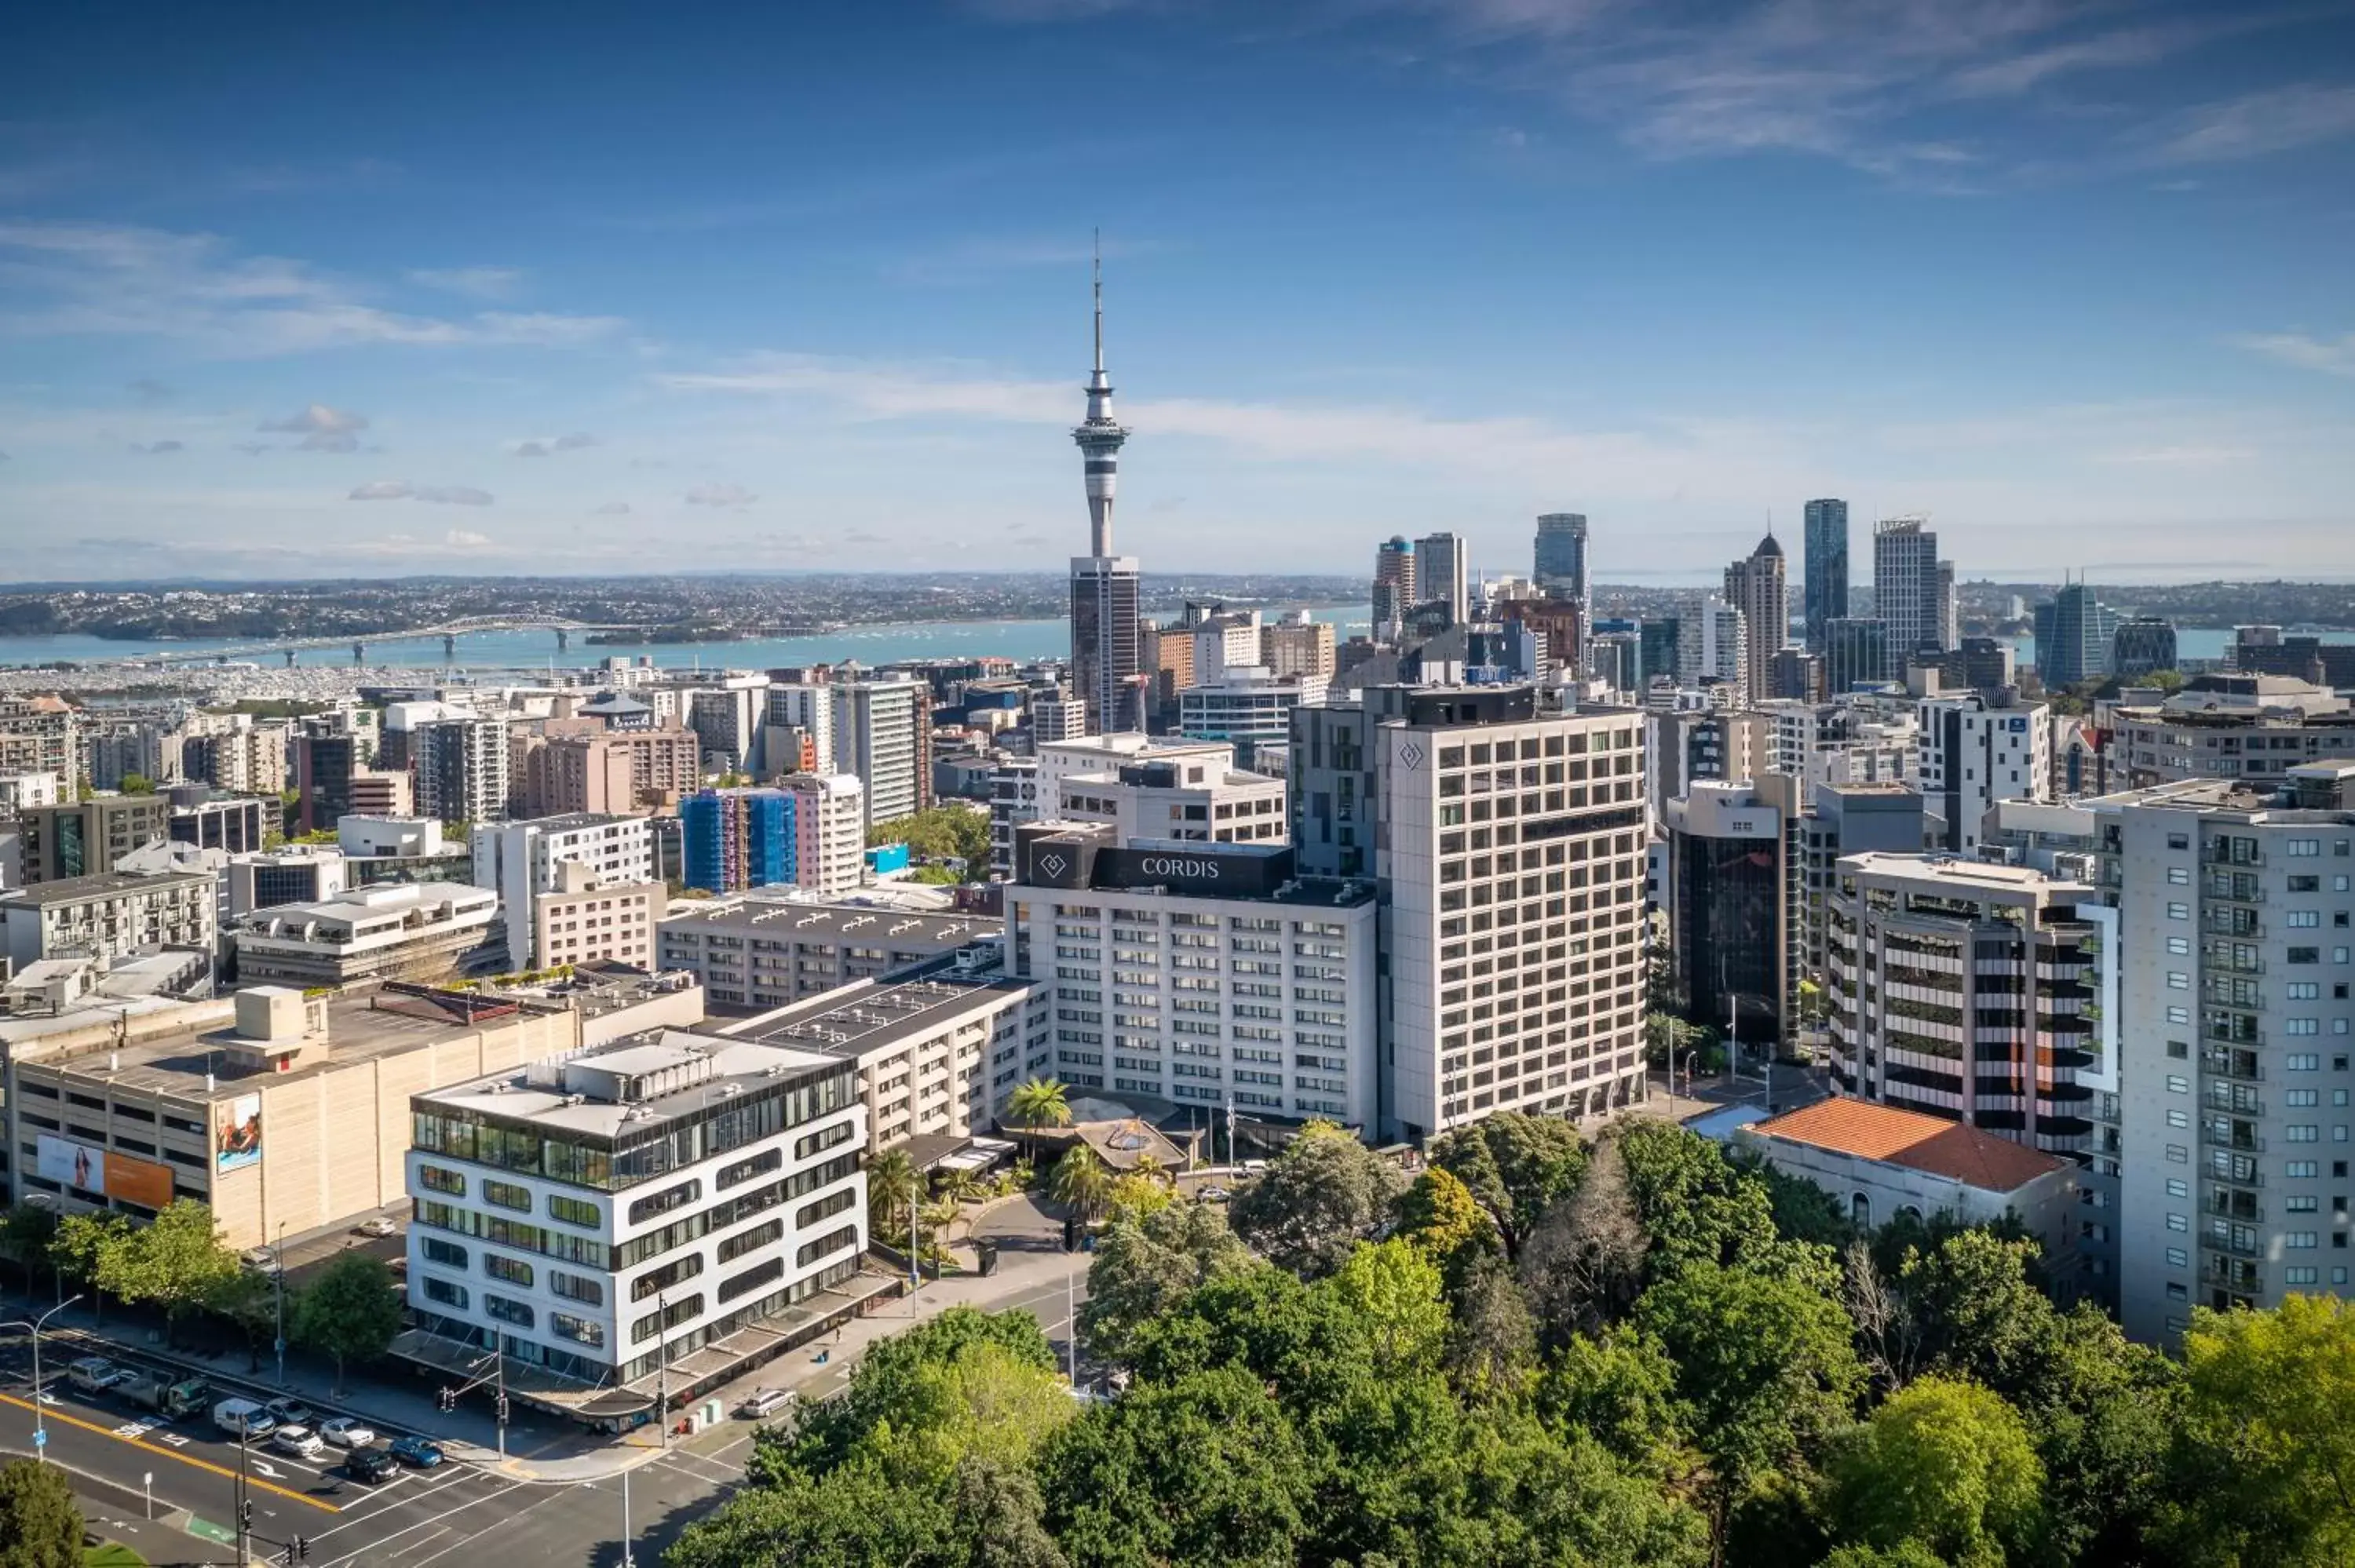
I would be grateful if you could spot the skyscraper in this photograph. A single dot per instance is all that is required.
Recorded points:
(1758, 587)
(1560, 563)
(1825, 588)
(1393, 587)
(2074, 632)
(2143, 643)
(1442, 576)
(1909, 594)
(1106, 661)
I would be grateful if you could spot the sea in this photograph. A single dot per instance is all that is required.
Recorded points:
(535, 649)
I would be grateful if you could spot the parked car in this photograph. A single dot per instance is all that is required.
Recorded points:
(290, 1412)
(1214, 1193)
(417, 1453)
(242, 1418)
(95, 1375)
(372, 1466)
(377, 1227)
(764, 1403)
(344, 1432)
(300, 1441)
(261, 1258)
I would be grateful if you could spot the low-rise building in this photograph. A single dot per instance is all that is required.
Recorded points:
(428, 930)
(584, 919)
(110, 916)
(298, 873)
(774, 946)
(525, 862)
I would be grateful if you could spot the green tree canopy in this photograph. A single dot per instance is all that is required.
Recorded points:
(938, 832)
(1318, 1199)
(1400, 1296)
(1446, 1223)
(40, 1522)
(1517, 1166)
(350, 1311)
(1038, 1102)
(1145, 1265)
(174, 1260)
(1081, 1182)
(1948, 1464)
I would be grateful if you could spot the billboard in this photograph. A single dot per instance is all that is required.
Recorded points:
(94, 1169)
(236, 1133)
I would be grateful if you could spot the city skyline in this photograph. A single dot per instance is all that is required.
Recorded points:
(2059, 280)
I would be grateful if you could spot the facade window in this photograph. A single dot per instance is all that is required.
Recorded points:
(448, 1254)
(573, 1287)
(513, 1270)
(751, 1241)
(2177, 1257)
(833, 1241)
(445, 1293)
(580, 1330)
(434, 1179)
(743, 1170)
(664, 1201)
(506, 1194)
(827, 1138)
(575, 1210)
(506, 1312)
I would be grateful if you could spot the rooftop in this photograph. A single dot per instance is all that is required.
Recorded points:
(870, 1016)
(1918, 1142)
(810, 920)
(1991, 875)
(105, 885)
(375, 902)
(631, 1085)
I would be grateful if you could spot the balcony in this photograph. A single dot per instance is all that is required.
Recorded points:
(2240, 1066)
(2238, 1140)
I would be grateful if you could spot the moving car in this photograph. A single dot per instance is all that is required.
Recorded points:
(377, 1227)
(417, 1453)
(764, 1403)
(344, 1432)
(95, 1375)
(151, 1391)
(293, 1412)
(299, 1441)
(243, 1418)
(372, 1466)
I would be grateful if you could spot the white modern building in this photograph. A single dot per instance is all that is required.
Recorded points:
(1245, 706)
(1713, 644)
(607, 1217)
(523, 862)
(798, 715)
(298, 873)
(403, 931)
(109, 915)
(829, 832)
(1200, 975)
(1978, 749)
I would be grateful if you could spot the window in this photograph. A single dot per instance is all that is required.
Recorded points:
(2301, 1203)
(752, 1280)
(507, 1311)
(2179, 1015)
(580, 1330)
(2176, 1186)
(2177, 1223)
(2180, 875)
(743, 1170)
(573, 1287)
(2176, 1083)
(434, 1179)
(575, 1210)
(824, 1138)
(2178, 945)
(2301, 849)
(825, 1208)
(449, 1253)
(506, 1194)
(664, 1201)
(2302, 1241)
(2308, 1169)
(2299, 1275)
(2176, 979)
(751, 1241)
(2303, 1100)
(655, 1281)
(2303, 990)
(2177, 1257)
(2178, 911)
(2302, 1132)
(654, 1323)
(2303, 919)
(447, 1294)
(2178, 1119)
(833, 1241)
(513, 1270)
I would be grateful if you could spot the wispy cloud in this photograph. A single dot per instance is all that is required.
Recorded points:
(720, 495)
(2276, 121)
(548, 447)
(322, 429)
(473, 283)
(969, 261)
(94, 279)
(401, 490)
(157, 449)
(2334, 356)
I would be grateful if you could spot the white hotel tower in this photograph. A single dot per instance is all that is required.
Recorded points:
(1105, 657)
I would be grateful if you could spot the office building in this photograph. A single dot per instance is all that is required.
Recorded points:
(937, 1051)
(1976, 749)
(829, 832)
(522, 862)
(2074, 632)
(400, 849)
(735, 839)
(882, 734)
(460, 767)
(771, 947)
(1058, 718)
(679, 1188)
(1395, 587)
(731, 719)
(1982, 994)
(1856, 654)
(298, 873)
(1190, 795)
(1981, 664)
(281, 1113)
(1511, 907)
(1245, 707)
(1840, 819)
(1728, 903)
(1714, 648)
(84, 838)
(1298, 647)
(411, 931)
(1206, 976)
(1560, 567)
(1792, 674)
(584, 921)
(1756, 586)
(2143, 643)
(1443, 576)
(2265, 650)
(1824, 592)
(2229, 726)
(2233, 972)
(110, 916)
(1108, 665)
(1911, 597)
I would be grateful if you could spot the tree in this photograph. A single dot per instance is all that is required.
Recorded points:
(250, 1302)
(1400, 1295)
(1980, 1315)
(892, 1189)
(1517, 1165)
(137, 784)
(1492, 1343)
(40, 1522)
(1081, 1183)
(82, 1246)
(2264, 1468)
(1948, 1464)
(858, 1514)
(176, 1260)
(997, 1514)
(1620, 1388)
(1139, 1194)
(25, 1232)
(1695, 1204)
(1146, 1265)
(350, 1310)
(1583, 1266)
(1439, 1215)
(1319, 1198)
(1038, 1102)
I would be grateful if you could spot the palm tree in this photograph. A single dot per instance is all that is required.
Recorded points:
(892, 1185)
(1081, 1183)
(958, 1186)
(1039, 1102)
(940, 1218)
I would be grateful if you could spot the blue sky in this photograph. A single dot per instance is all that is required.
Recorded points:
(598, 288)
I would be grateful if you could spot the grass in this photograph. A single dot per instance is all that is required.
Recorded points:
(112, 1555)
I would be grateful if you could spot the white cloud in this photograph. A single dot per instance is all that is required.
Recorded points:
(322, 429)
(720, 495)
(401, 490)
(2334, 356)
(466, 539)
(94, 279)
(2275, 121)
(543, 446)
(474, 282)
(382, 489)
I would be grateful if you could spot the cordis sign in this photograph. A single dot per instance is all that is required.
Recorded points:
(1245, 872)
(1172, 865)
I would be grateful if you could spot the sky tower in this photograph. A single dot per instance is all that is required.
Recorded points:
(1106, 658)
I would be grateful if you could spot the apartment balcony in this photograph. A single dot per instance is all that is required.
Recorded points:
(2242, 1206)
(2235, 1138)
(2240, 1066)
(2232, 1099)
(2219, 852)
(2251, 1249)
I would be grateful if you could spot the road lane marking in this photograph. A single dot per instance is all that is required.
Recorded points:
(184, 1459)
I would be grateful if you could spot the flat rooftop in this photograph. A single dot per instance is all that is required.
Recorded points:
(858, 1020)
(105, 885)
(1990, 875)
(586, 1094)
(359, 1029)
(790, 917)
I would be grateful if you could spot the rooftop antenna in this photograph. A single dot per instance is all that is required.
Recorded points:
(1096, 241)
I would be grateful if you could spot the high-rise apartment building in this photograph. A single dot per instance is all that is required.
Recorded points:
(829, 832)
(1442, 576)
(882, 732)
(1826, 589)
(736, 839)
(1976, 749)
(1508, 846)
(1108, 666)
(1394, 586)
(460, 766)
(1296, 646)
(42, 734)
(1561, 566)
(1909, 595)
(1713, 645)
(523, 863)
(1757, 588)
(800, 724)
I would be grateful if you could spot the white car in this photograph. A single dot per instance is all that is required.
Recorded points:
(299, 1441)
(261, 1258)
(344, 1432)
(378, 1226)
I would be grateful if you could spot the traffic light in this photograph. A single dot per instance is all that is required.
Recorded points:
(245, 1516)
(502, 1410)
(302, 1547)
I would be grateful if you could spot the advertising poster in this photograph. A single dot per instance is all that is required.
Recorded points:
(237, 1138)
(140, 1182)
(75, 1164)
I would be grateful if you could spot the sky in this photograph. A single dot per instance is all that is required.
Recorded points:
(603, 289)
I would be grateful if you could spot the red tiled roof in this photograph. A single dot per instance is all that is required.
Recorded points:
(1911, 1139)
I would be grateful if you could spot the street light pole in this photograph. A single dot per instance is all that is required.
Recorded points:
(35, 1326)
(662, 1364)
(278, 1257)
(628, 1560)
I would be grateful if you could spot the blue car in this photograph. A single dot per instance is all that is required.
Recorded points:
(417, 1453)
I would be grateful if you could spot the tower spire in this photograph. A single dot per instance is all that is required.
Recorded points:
(1099, 435)
(1099, 269)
